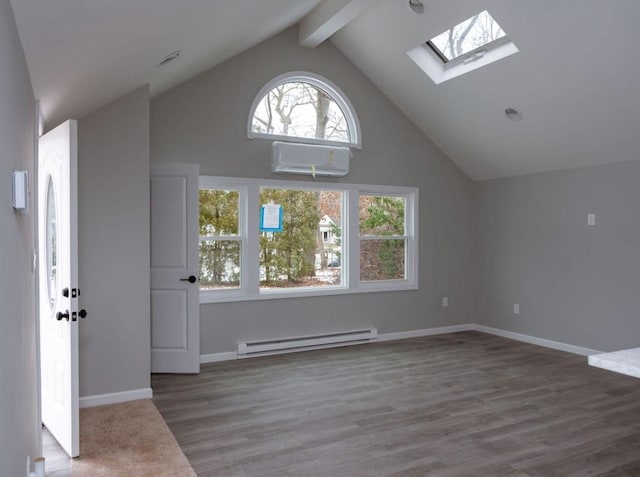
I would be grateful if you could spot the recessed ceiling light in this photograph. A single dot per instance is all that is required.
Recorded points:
(416, 6)
(169, 58)
(513, 114)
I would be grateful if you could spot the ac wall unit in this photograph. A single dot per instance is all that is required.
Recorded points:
(294, 158)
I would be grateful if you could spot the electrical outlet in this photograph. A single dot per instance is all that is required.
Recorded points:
(516, 308)
(445, 301)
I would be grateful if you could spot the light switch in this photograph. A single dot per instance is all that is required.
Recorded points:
(445, 301)
(591, 220)
(19, 189)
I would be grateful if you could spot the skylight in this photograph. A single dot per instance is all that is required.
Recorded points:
(468, 37)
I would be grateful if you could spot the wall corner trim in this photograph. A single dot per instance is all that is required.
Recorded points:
(115, 398)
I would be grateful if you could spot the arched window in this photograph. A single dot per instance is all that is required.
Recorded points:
(306, 107)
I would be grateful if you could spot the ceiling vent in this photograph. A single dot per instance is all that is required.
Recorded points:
(315, 160)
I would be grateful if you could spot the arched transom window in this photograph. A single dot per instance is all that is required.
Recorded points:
(306, 107)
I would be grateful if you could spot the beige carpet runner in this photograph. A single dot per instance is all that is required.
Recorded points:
(128, 439)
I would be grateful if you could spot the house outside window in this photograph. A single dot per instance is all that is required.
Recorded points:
(296, 257)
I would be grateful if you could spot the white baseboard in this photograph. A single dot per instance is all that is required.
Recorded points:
(401, 335)
(215, 357)
(536, 341)
(231, 355)
(115, 398)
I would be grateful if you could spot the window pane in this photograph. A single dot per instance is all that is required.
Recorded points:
(300, 109)
(472, 33)
(299, 255)
(382, 260)
(219, 264)
(218, 212)
(381, 215)
(219, 259)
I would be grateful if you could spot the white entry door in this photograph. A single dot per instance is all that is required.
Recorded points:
(58, 284)
(175, 304)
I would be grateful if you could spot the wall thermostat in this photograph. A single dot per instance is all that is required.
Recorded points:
(19, 189)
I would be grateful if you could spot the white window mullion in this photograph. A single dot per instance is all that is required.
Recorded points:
(411, 229)
(351, 243)
(225, 238)
(251, 264)
(384, 237)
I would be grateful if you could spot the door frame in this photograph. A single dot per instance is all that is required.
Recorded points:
(35, 264)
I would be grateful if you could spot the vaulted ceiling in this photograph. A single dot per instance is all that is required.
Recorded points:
(574, 79)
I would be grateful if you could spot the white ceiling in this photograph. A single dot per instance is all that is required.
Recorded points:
(575, 78)
(83, 54)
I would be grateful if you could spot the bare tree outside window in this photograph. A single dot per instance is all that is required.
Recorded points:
(303, 110)
(472, 33)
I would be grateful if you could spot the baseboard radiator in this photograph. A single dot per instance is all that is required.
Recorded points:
(247, 349)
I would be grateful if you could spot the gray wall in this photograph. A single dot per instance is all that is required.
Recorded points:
(575, 284)
(204, 121)
(113, 238)
(18, 367)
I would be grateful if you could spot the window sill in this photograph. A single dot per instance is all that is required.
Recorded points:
(440, 72)
(369, 287)
(302, 140)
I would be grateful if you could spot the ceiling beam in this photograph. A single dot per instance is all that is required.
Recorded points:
(329, 17)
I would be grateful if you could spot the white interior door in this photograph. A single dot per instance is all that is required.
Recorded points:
(175, 304)
(58, 277)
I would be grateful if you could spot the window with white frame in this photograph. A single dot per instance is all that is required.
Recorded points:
(473, 43)
(273, 239)
(297, 256)
(220, 238)
(303, 107)
(383, 238)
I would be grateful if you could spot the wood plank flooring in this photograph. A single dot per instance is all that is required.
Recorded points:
(462, 404)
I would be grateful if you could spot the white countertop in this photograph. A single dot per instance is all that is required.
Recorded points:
(626, 361)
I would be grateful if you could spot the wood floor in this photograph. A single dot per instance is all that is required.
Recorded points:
(462, 404)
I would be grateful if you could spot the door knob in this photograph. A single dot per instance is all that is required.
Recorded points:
(191, 279)
(60, 315)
